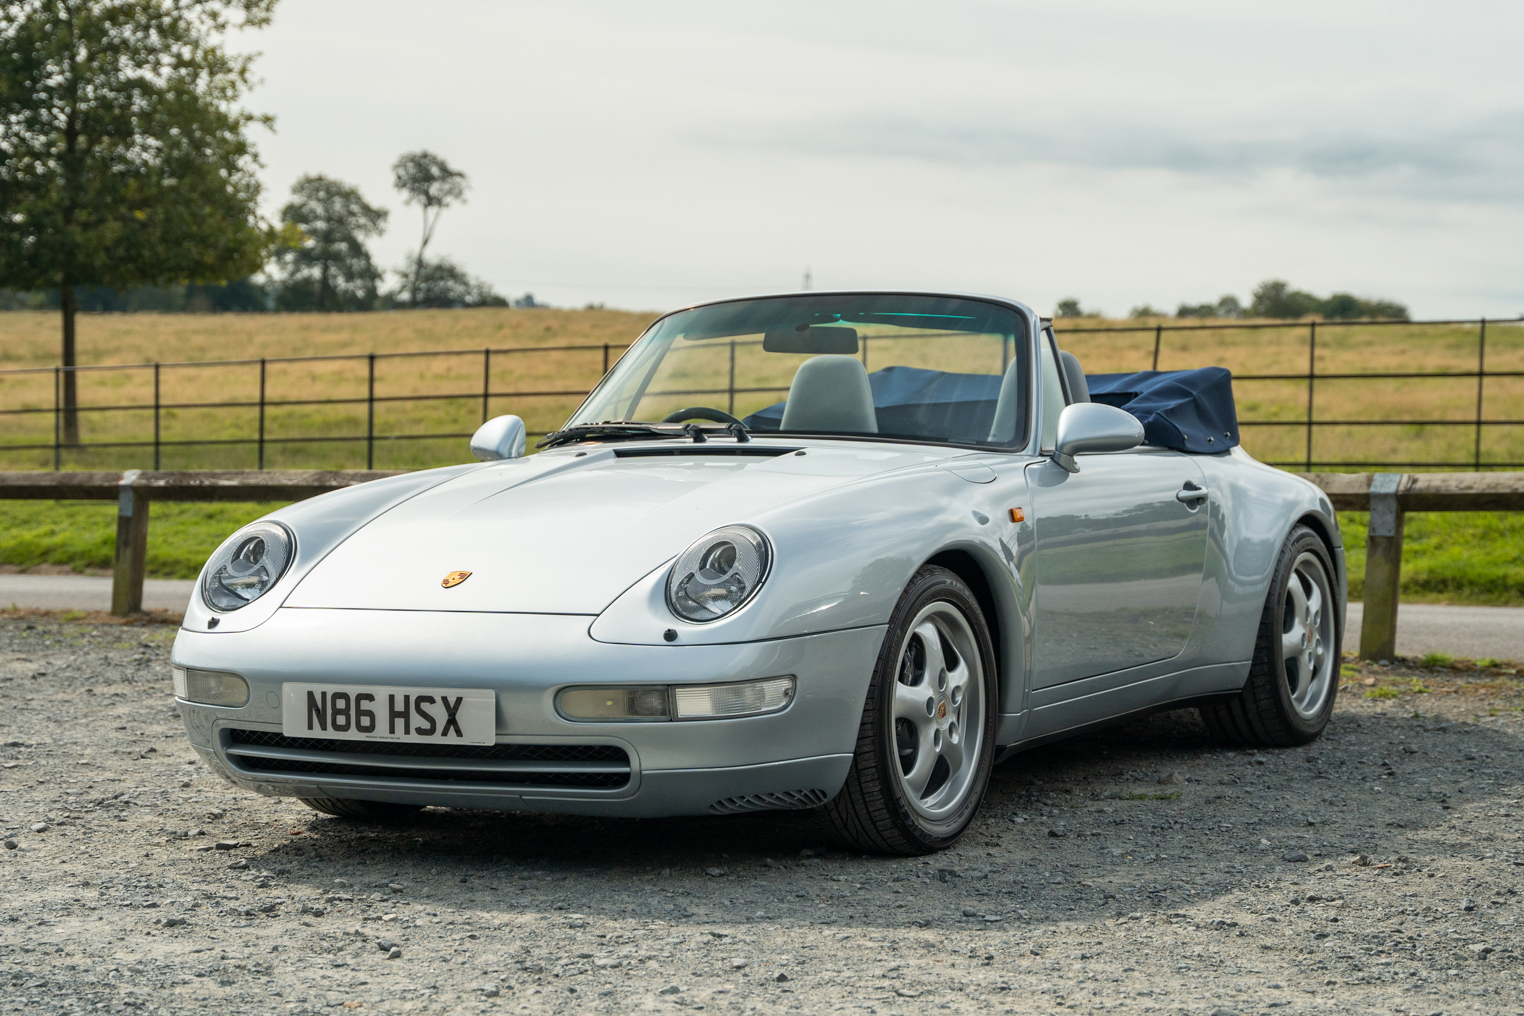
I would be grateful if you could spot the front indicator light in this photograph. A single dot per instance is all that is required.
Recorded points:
(686, 702)
(210, 687)
(749, 698)
(625, 704)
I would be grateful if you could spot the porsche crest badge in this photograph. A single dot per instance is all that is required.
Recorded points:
(455, 578)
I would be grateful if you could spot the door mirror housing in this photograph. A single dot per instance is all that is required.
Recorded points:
(502, 437)
(1094, 427)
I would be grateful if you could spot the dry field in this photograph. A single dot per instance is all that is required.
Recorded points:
(440, 392)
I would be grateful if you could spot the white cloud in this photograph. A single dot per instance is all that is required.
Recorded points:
(655, 153)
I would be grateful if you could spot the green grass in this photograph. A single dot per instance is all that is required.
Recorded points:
(1449, 557)
(81, 534)
(1456, 557)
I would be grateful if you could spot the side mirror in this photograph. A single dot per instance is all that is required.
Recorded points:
(502, 437)
(1094, 427)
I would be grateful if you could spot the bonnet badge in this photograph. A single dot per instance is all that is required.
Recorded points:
(455, 578)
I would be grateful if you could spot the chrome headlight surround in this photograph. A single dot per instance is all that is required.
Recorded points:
(247, 565)
(719, 574)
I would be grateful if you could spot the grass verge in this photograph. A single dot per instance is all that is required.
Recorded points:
(81, 535)
(1455, 557)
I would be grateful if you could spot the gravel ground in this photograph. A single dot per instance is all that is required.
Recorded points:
(1142, 869)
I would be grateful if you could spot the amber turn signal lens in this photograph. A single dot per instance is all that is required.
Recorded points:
(1017, 515)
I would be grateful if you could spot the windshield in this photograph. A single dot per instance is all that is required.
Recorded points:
(923, 368)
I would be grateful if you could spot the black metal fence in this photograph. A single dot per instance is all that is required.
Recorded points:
(497, 365)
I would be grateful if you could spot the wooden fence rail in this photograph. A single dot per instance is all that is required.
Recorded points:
(135, 489)
(1387, 496)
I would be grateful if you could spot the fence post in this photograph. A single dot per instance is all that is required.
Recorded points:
(261, 412)
(1158, 338)
(131, 547)
(486, 380)
(1312, 371)
(605, 359)
(370, 416)
(156, 416)
(1481, 372)
(1383, 569)
(730, 407)
(57, 409)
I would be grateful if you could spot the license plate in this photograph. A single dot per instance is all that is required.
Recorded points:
(387, 713)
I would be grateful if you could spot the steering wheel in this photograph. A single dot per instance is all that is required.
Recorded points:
(700, 413)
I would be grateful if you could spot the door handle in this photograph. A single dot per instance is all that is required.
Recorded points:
(1191, 496)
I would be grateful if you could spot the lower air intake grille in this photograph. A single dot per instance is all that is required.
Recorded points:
(586, 766)
(787, 800)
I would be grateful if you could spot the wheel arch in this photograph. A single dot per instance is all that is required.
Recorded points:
(984, 580)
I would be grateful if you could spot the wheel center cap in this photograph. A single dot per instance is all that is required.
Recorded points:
(942, 710)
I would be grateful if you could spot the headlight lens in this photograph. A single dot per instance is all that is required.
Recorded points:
(634, 703)
(246, 566)
(718, 574)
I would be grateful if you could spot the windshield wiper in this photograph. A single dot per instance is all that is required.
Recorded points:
(606, 431)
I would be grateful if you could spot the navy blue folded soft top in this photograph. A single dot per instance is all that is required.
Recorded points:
(1189, 410)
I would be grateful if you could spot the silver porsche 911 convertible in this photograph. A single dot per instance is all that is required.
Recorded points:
(835, 551)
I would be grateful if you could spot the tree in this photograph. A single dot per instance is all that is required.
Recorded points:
(428, 181)
(124, 155)
(327, 265)
(1274, 298)
(443, 283)
(1070, 307)
(1227, 306)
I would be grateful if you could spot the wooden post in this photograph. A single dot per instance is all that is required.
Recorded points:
(131, 546)
(1383, 569)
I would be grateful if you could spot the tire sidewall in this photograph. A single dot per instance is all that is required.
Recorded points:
(931, 585)
(1300, 541)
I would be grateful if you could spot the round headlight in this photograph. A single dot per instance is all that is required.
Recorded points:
(247, 565)
(718, 574)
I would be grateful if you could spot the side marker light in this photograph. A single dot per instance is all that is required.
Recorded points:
(1017, 515)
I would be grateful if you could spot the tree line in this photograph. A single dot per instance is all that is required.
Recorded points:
(1273, 298)
(128, 179)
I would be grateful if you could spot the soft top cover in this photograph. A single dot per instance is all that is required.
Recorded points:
(1189, 410)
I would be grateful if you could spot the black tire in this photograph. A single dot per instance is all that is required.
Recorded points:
(365, 811)
(874, 812)
(1266, 713)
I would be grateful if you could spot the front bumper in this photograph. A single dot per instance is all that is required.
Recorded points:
(794, 758)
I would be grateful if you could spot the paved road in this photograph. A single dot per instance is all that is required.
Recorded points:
(1470, 632)
(87, 592)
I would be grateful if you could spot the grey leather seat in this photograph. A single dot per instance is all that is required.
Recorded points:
(831, 394)
(1074, 374)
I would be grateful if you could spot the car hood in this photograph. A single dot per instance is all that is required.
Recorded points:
(566, 533)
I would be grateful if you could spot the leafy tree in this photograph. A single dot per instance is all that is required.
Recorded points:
(1276, 299)
(326, 264)
(1146, 311)
(1226, 306)
(1070, 307)
(443, 283)
(124, 156)
(431, 183)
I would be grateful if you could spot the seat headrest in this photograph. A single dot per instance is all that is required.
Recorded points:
(1079, 390)
(831, 393)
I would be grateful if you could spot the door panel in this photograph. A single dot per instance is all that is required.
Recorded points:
(1119, 560)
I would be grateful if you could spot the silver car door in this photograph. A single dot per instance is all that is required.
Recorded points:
(1120, 550)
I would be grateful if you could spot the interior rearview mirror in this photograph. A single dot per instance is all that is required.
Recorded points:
(502, 437)
(1094, 427)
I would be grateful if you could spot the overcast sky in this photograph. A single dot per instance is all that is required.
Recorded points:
(652, 153)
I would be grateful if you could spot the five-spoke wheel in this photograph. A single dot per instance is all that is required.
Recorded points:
(938, 710)
(1294, 676)
(926, 742)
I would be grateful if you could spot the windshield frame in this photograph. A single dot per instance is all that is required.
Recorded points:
(1028, 334)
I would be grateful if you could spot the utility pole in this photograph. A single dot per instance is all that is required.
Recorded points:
(807, 280)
